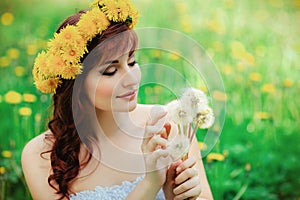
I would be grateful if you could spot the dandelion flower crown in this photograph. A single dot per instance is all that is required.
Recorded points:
(62, 58)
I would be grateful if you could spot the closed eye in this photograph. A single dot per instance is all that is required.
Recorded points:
(132, 63)
(109, 71)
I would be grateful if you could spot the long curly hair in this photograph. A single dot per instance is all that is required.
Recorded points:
(65, 139)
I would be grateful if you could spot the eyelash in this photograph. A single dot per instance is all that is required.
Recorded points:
(112, 73)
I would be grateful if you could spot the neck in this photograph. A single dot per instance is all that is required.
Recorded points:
(112, 124)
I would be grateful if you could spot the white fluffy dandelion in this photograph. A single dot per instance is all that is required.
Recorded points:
(190, 112)
(179, 146)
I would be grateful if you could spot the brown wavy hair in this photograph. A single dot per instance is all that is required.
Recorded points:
(70, 106)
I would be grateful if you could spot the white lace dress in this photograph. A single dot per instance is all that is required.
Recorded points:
(116, 192)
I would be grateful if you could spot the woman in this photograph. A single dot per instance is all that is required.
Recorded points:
(101, 144)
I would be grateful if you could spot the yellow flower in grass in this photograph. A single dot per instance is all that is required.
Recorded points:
(255, 76)
(13, 97)
(248, 167)
(2, 170)
(31, 49)
(268, 88)
(37, 117)
(29, 98)
(49, 85)
(288, 83)
(13, 53)
(7, 18)
(19, 71)
(202, 146)
(262, 115)
(4, 61)
(214, 157)
(7, 154)
(25, 111)
(219, 96)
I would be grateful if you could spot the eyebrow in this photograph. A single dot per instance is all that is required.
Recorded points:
(116, 61)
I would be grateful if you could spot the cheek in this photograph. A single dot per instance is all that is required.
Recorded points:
(104, 90)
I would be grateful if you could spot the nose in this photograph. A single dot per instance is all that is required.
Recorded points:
(130, 77)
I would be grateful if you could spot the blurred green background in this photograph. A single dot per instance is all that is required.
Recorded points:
(255, 46)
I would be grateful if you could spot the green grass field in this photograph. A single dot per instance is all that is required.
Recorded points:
(254, 44)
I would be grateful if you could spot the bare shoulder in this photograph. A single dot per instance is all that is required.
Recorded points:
(36, 146)
(37, 166)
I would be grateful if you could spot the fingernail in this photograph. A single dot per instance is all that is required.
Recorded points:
(178, 169)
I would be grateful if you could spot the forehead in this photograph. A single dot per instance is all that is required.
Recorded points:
(111, 49)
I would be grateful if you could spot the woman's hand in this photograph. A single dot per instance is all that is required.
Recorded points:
(153, 148)
(182, 181)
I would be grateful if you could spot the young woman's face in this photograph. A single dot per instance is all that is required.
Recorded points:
(113, 86)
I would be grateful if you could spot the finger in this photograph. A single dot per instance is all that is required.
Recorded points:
(187, 186)
(152, 159)
(191, 193)
(155, 141)
(185, 175)
(188, 163)
(154, 118)
(171, 173)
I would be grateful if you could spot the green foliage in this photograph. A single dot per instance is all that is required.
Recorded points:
(254, 44)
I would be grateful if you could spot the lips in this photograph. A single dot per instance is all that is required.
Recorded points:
(129, 95)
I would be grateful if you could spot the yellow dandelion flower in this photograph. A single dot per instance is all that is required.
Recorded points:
(31, 49)
(7, 154)
(174, 56)
(156, 53)
(255, 76)
(49, 85)
(7, 18)
(55, 63)
(40, 65)
(68, 35)
(288, 83)
(13, 53)
(71, 71)
(227, 69)
(214, 157)
(268, 88)
(37, 117)
(55, 45)
(25, 111)
(71, 54)
(225, 153)
(202, 146)
(123, 10)
(237, 49)
(13, 97)
(87, 29)
(111, 10)
(219, 96)
(4, 61)
(29, 98)
(19, 71)
(2, 170)
(262, 115)
(248, 167)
